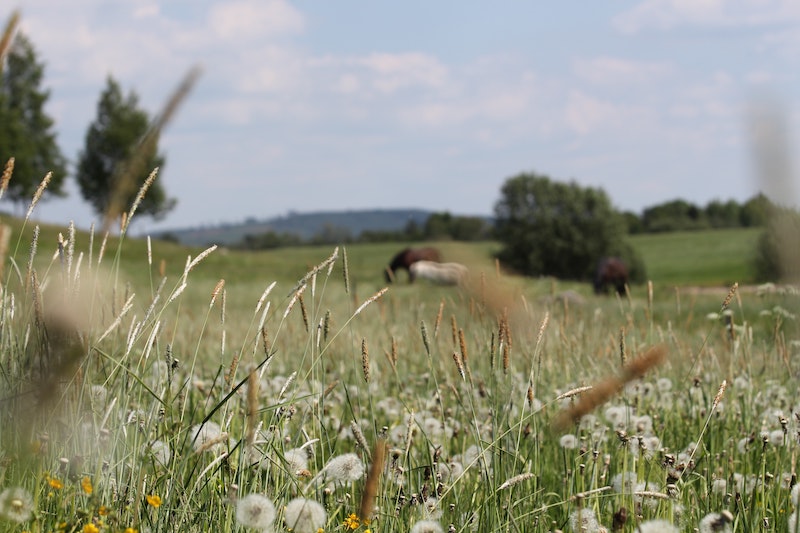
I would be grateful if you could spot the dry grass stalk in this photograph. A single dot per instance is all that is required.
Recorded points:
(191, 263)
(345, 271)
(215, 292)
(720, 394)
(584, 495)
(8, 34)
(365, 359)
(514, 480)
(729, 297)
(573, 392)
(293, 300)
(138, 200)
(359, 436)
(127, 173)
(438, 319)
(454, 329)
(5, 238)
(394, 352)
(303, 311)
(424, 330)
(252, 408)
(230, 376)
(603, 391)
(34, 246)
(459, 364)
(372, 481)
(329, 389)
(38, 194)
(9, 169)
(370, 300)
(623, 356)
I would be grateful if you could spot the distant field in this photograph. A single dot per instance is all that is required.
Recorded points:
(710, 258)
(714, 257)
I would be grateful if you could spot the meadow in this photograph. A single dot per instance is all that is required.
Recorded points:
(152, 387)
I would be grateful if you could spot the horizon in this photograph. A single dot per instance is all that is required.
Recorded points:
(341, 107)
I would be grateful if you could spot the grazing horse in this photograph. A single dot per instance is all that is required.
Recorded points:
(439, 273)
(611, 271)
(405, 258)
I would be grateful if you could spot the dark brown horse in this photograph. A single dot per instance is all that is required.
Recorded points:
(611, 272)
(405, 258)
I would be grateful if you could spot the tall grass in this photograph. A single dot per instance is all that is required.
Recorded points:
(165, 400)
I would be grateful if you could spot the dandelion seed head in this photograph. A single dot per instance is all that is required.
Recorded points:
(296, 460)
(717, 523)
(427, 526)
(624, 482)
(657, 526)
(255, 511)
(345, 468)
(304, 516)
(584, 521)
(568, 441)
(431, 509)
(16, 504)
(160, 452)
(795, 495)
(204, 434)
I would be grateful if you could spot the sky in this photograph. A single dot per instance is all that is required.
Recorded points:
(309, 106)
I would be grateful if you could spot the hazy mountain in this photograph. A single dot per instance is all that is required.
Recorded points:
(305, 225)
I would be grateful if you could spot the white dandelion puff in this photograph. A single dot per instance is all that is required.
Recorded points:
(256, 511)
(304, 516)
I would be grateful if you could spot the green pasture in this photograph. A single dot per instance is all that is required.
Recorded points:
(141, 395)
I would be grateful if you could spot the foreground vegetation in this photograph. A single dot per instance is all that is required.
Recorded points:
(146, 394)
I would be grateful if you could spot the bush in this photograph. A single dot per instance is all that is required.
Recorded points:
(559, 229)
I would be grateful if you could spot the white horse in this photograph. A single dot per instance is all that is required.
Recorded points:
(439, 273)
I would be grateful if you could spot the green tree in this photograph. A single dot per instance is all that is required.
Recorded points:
(26, 131)
(755, 211)
(723, 215)
(675, 215)
(115, 161)
(559, 229)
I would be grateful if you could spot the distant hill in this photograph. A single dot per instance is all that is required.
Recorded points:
(304, 225)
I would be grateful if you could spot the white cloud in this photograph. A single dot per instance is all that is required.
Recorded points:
(669, 14)
(606, 70)
(244, 19)
(392, 72)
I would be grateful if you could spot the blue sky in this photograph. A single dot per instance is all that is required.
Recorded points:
(347, 105)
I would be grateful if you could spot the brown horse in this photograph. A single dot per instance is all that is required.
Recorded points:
(611, 271)
(405, 258)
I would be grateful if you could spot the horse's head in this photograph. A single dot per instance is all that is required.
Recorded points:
(388, 274)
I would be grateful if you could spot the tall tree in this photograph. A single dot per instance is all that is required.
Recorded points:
(559, 229)
(26, 131)
(119, 155)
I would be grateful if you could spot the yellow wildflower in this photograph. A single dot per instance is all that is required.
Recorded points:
(55, 483)
(131, 530)
(351, 522)
(103, 510)
(90, 528)
(86, 485)
(154, 500)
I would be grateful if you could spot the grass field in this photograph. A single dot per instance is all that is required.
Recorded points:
(144, 392)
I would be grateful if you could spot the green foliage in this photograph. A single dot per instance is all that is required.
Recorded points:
(557, 229)
(675, 215)
(111, 142)
(755, 211)
(777, 256)
(27, 131)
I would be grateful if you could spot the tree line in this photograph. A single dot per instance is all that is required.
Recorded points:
(120, 144)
